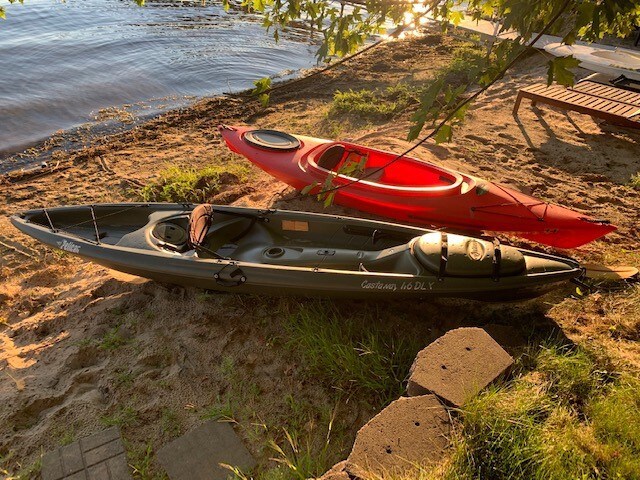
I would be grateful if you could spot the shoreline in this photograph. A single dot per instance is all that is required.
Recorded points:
(33, 156)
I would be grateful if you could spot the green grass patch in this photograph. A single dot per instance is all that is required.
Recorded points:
(377, 103)
(140, 458)
(190, 185)
(12, 469)
(565, 415)
(123, 417)
(634, 181)
(112, 340)
(221, 410)
(124, 378)
(352, 354)
(384, 103)
(299, 459)
(468, 60)
(169, 422)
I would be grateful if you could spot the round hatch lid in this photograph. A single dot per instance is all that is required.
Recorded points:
(272, 140)
(170, 233)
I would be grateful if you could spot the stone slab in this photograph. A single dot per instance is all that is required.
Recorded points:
(98, 457)
(197, 454)
(410, 431)
(337, 472)
(458, 365)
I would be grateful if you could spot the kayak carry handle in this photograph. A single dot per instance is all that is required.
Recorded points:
(236, 278)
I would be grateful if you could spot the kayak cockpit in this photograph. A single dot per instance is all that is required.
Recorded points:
(104, 224)
(379, 170)
(284, 240)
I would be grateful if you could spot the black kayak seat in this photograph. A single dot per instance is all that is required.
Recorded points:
(330, 158)
(207, 238)
(459, 256)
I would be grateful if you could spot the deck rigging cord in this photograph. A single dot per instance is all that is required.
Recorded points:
(449, 116)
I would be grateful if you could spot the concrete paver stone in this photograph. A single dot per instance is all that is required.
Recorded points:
(98, 457)
(413, 430)
(197, 454)
(337, 472)
(456, 366)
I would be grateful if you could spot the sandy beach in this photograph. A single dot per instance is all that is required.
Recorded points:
(82, 347)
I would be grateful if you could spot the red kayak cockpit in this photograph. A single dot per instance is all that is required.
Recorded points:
(377, 169)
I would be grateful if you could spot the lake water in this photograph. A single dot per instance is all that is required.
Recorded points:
(60, 63)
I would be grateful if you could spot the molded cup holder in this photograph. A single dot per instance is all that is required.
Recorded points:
(274, 252)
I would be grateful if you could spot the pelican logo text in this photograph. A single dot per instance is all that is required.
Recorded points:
(475, 250)
(69, 246)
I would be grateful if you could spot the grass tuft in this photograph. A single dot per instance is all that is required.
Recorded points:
(566, 417)
(377, 103)
(221, 410)
(169, 422)
(124, 417)
(141, 461)
(24, 472)
(571, 375)
(112, 340)
(300, 459)
(189, 185)
(352, 355)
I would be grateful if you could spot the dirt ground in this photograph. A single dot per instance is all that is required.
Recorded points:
(82, 347)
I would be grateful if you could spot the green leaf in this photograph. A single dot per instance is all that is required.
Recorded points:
(461, 113)
(559, 70)
(430, 95)
(444, 134)
(456, 17)
(308, 188)
(262, 85)
(415, 130)
(264, 99)
(3, 15)
(585, 14)
(323, 51)
(262, 88)
(570, 38)
(328, 200)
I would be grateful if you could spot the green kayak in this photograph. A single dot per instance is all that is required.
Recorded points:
(279, 252)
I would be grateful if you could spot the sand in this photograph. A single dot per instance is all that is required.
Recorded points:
(82, 347)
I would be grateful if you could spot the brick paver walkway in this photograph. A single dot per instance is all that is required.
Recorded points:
(98, 457)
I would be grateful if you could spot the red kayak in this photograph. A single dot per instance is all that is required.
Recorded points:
(412, 191)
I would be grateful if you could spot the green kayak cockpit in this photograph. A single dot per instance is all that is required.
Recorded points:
(341, 246)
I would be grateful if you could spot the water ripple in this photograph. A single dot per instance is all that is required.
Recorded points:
(62, 61)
